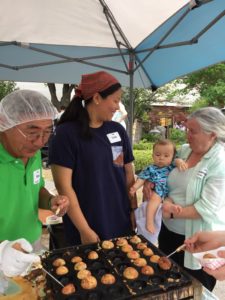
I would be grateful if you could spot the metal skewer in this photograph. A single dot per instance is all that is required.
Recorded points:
(52, 276)
(177, 250)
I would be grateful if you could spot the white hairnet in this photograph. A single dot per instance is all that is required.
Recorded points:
(23, 106)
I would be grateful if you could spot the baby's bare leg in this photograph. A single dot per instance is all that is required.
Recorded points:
(151, 210)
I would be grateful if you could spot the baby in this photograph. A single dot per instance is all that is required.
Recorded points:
(163, 156)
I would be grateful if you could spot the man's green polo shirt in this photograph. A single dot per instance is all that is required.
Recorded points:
(19, 197)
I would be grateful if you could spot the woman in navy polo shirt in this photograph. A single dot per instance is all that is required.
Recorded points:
(91, 160)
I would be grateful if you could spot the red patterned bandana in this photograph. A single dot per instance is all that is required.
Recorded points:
(94, 83)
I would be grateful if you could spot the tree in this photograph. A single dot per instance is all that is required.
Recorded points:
(66, 95)
(210, 84)
(142, 102)
(6, 87)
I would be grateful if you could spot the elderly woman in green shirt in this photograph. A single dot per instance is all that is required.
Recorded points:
(200, 189)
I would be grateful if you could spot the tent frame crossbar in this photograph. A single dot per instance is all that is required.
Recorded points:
(194, 40)
(163, 38)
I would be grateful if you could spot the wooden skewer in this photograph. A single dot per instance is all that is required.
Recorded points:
(57, 211)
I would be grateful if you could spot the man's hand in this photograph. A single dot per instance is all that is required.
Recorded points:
(16, 257)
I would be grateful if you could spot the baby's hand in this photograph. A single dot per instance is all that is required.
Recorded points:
(181, 164)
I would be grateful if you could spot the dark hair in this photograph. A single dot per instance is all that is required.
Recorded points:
(77, 112)
(165, 142)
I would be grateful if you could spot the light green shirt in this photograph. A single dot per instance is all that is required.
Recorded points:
(206, 191)
(177, 184)
(19, 197)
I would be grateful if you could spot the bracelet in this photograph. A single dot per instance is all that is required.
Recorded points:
(49, 201)
(171, 216)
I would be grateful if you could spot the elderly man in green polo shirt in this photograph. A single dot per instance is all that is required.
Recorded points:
(26, 123)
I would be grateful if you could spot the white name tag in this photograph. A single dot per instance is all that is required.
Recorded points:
(37, 176)
(114, 137)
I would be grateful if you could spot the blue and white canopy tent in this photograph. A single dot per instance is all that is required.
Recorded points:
(144, 43)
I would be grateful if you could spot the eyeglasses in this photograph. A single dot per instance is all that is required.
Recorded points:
(32, 137)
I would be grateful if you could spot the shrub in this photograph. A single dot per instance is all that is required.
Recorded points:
(177, 136)
(142, 159)
(143, 145)
(150, 137)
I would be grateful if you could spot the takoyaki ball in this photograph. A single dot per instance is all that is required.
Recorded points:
(130, 273)
(58, 262)
(68, 289)
(62, 270)
(107, 245)
(93, 255)
(147, 270)
(89, 282)
(140, 262)
(135, 239)
(80, 266)
(121, 242)
(133, 254)
(83, 274)
(164, 263)
(108, 279)
(76, 259)
(127, 248)
(209, 256)
(141, 246)
(154, 258)
(148, 252)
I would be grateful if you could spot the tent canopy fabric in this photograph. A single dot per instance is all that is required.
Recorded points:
(154, 40)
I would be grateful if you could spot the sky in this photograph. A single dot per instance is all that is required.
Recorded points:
(40, 87)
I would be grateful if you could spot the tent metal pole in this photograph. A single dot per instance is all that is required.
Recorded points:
(131, 98)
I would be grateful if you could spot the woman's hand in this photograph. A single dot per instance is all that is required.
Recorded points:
(219, 273)
(169, 208)
(205, 240)
(133, 221)
(89, 236)
(147, 190)
(132, 191)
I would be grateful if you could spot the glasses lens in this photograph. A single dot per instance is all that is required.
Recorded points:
(44, 135)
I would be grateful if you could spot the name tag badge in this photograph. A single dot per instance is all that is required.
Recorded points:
(37, 176)
(114, 137)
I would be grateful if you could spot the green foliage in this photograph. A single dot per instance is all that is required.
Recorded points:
(150, 137)
(177, 136)
(142, 102)
(202, 102)
(210, 83)
(6, 87)
(142, 159)
(143, 145)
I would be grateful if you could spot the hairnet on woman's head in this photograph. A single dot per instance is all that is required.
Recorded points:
(24, 106)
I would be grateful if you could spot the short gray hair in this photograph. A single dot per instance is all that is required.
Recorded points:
(210, 119)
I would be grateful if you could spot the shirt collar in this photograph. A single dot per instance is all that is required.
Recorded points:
(5, 157)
